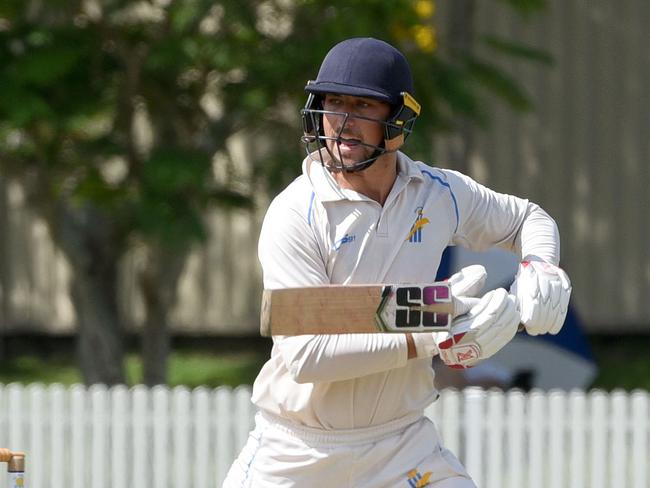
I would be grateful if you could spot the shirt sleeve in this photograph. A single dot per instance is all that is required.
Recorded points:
(487, 219)
(291, 256)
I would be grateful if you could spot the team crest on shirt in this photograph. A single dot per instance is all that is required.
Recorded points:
(417, 480)
(415, 234)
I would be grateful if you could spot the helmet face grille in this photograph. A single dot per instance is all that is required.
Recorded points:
(396, 129)
(360, 67)
(326, 149)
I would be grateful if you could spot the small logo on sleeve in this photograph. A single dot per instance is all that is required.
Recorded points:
(415, 234)
(346, 239)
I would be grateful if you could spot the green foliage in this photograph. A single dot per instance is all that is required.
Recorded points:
(76, 84)
(172, 195)
(517, 50)
(70, 82)
(526, 7)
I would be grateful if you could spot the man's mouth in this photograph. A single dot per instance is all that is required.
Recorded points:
(345, 142)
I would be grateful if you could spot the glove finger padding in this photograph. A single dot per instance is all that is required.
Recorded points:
(488, 326)
(543, 292)
(468, 282)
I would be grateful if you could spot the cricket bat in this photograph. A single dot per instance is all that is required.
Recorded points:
(339, 309)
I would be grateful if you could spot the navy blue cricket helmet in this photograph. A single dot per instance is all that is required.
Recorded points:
(361, 67)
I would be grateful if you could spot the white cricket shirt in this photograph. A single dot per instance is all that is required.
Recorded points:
(316, 233)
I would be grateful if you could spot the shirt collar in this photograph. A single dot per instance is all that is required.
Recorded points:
(328, 190)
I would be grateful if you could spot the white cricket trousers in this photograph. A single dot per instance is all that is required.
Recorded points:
(402, 454)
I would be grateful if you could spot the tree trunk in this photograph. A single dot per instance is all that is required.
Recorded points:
(158, 282)
(93, 248)
(100, 345)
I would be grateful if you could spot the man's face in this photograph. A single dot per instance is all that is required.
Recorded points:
(348, 135)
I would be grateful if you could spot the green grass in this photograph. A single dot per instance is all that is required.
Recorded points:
(192, 369)
(624, 362)
(32, 369)
(203, 369)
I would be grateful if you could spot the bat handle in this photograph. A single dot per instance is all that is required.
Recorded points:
(15, 467)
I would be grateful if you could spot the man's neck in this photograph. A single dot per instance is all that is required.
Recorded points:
(374, 182)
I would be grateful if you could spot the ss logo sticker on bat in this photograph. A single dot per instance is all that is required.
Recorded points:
(415, 308)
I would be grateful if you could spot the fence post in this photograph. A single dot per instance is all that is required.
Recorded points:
(162, 421)
(78, 429)
(449, 425)
(202, 435)
(537, 455)
(556, 426)
(181, 437)
(598, 441)
(516, 438)
(494, 443)
(35, 395)
(99, 452)
(224, 418)
(618, 438)
(120, 406)
(56, 456)
(578, 420)
(474, 425)
(141, 423)
(639, 447)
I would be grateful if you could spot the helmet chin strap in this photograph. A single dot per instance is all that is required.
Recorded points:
(354, 167)
(335, 161)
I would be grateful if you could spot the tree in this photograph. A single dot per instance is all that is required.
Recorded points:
(111, 114)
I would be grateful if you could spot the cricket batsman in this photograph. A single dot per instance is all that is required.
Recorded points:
(347, 410)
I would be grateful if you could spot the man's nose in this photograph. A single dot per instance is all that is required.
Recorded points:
(348, 127)
(350, 119)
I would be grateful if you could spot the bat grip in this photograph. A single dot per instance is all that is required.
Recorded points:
(462, 305)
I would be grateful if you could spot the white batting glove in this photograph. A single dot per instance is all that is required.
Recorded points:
(491, 322)
(465, 284)
(482, 332)
(543, 291)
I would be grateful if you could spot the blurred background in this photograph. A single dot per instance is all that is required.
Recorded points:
(141, 142)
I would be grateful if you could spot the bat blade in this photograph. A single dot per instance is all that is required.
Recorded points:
(356, 309)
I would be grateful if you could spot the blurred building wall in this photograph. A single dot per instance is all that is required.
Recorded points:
(584, 155)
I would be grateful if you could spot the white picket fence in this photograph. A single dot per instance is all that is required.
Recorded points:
(118, 437)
